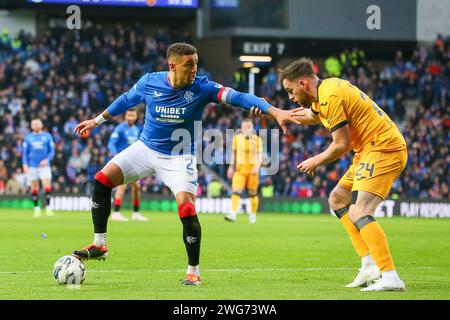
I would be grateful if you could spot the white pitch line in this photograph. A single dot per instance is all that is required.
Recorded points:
(219, 270)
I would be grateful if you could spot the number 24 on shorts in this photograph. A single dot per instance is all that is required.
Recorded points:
(368, 167)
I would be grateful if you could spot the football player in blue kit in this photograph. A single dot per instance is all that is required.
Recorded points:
(174, 101)
(123, 136)
(38, 152)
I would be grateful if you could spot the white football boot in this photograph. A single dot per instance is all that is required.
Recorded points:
(230, 217)
(117, 216)
(138, 217)
(49, 212)
(365, 277)
(252, 217)
(37, 212)
(386, 284)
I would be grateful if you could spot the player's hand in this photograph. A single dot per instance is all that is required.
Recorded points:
(283, 117)
(43, 163)
(230, 172)
(25, 169)
(255, 112)
(308, 166)
(302, 114)
(255, 170)
(299, 112)
(85, 126)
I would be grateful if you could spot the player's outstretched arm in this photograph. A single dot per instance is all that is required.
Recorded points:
(90, 124)
(127, 100)
(306, 116)
(303, 115)
(247, 101)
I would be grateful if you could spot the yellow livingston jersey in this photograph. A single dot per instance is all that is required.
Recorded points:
(246, 149)
(342, 103)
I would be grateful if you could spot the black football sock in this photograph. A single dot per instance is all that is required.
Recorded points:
(35, 197)
(192, 235)
(48, 192)
(101, 206)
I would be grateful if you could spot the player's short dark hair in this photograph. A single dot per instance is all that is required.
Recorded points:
(247, 119)
(180, 49)
(132, 110)
(297, 69)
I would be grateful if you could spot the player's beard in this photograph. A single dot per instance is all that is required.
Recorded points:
(305, 99)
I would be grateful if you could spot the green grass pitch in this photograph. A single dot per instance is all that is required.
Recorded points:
(282, 256)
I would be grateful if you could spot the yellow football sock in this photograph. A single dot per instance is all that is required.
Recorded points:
(254, 203)
(375, 238)
(357, 241)
(235, 198)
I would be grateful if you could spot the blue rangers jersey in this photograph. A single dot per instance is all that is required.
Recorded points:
(171, 114)
(122, 136)
(37, 147)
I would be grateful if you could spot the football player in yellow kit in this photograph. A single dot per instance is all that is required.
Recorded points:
(356, 123)
(244, 169)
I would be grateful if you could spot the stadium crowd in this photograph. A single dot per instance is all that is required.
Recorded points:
(65, 77)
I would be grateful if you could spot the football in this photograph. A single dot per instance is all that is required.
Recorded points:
(69, 270)
(86, 134)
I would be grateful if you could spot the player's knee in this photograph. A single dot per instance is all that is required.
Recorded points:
(332, 201)
(119, 194)
(186, 209)
(104, 179)
(135, 186)
(114, 174)
(252, 193)
(237, 191)
(336, 201)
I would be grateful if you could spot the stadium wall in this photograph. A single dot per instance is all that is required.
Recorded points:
(328, 19)
(215, 54)
(420, 208)
(432, 18)
(17, 20)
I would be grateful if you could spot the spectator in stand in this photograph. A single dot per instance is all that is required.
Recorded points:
(3, 176)
(14, 185)
(333, 66)
(66, 76)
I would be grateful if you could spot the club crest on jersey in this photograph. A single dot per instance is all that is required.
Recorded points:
(189, 96)
(157, 94)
